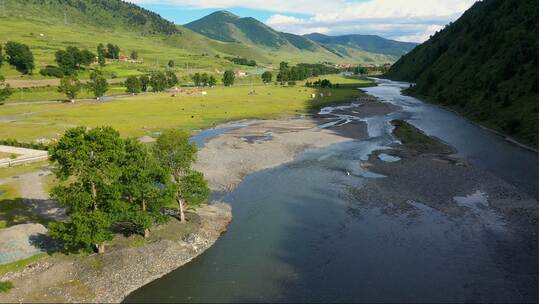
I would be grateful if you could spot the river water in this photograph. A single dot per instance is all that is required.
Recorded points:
(298, 235)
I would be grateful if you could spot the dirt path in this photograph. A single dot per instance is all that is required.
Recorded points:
(25, 83)
(25, 240)
(31, 190)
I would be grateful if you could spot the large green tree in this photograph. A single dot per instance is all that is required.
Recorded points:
(133, 85)
(212, 81)
(172, 79)
(174, 150)
(72, 58)
(98, 84)
(20, 56)
(146, 185)
(228, 78)
(267, 76)
(144, 82)
(113, 51)
(71, 86)
(158, 81)
(87, 163)
(101, 55)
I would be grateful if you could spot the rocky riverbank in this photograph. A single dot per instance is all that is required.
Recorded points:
(264, 144)
(423, 172)
(127, 266)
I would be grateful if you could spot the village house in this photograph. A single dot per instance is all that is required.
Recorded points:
(240, 73)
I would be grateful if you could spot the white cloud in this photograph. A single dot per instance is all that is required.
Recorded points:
(411, 20)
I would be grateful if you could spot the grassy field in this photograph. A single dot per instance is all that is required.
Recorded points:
(7, 155)
(51, 93)
(146, 114)
(13, 211)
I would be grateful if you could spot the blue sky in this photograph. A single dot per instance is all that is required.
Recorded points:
(404, 20)
(182, 15)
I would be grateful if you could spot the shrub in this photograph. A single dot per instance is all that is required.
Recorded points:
(52, 71)
(5, 286)
(14, 143)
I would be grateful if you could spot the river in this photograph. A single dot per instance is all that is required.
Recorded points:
(299, 236)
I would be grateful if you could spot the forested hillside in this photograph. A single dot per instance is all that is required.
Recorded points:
(369, 43)
(484, 65)
(106, 13)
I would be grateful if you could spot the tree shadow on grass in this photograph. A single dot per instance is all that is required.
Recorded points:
(16, 211)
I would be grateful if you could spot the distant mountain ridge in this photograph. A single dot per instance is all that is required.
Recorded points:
(227, 27)
(49, 25)
(369, 43)
(484, 65)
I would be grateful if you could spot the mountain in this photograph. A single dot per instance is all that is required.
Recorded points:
(227, 27)
(369, 43)
(49, 25)
(484, 65)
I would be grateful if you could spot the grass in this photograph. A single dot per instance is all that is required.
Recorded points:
(21, 169)
(51, 93)
(8, 155)
(415, 139)
(20, 264)
(5, 286)
(148, 113)
(13, 211)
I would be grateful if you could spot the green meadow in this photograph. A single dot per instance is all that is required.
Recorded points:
(148, 113)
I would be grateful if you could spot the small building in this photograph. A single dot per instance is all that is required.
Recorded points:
(241, 73)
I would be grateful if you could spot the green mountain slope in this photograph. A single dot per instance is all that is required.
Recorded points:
(49, 25)
(369, 43)
(484, 65)
(227, 27)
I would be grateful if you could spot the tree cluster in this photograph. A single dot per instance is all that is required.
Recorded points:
(324, 83)
(20, 56)
(112, 51)
(303, 71)
(110, 183)
(241, 61)
(267, 76)
(203, 79)
(156, 81)
(70, 85)
(72, 59)
(97, 84)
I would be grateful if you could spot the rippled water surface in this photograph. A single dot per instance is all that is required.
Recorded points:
(298, 235)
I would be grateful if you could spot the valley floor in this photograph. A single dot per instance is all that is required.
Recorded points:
(424, 165)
